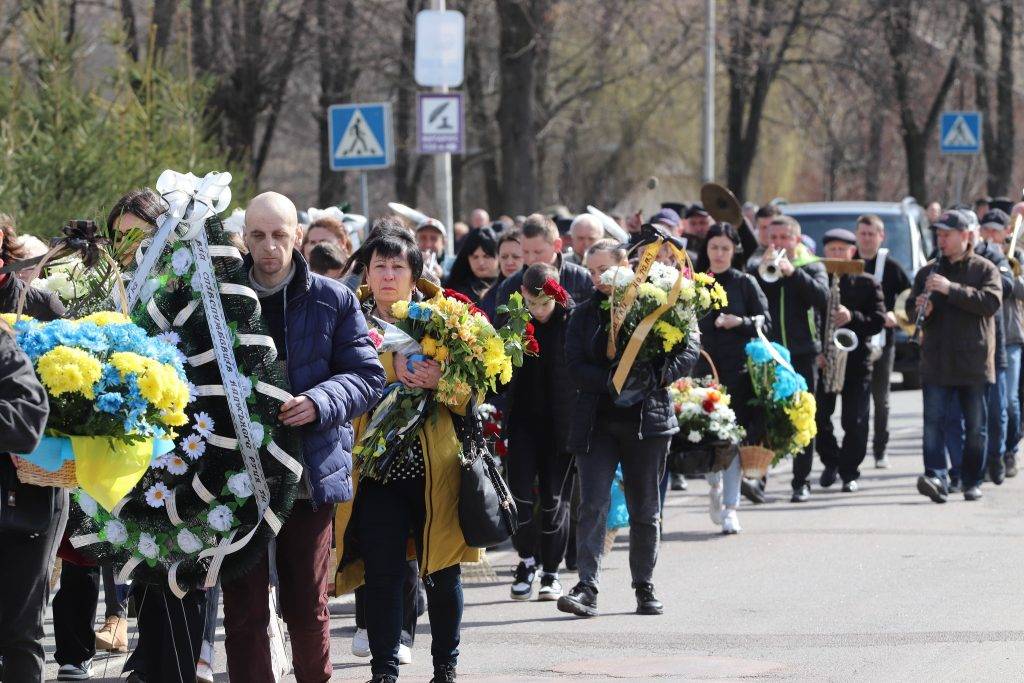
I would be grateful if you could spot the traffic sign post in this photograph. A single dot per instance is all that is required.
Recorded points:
(960, 134)
(441, 119)
(360, 140)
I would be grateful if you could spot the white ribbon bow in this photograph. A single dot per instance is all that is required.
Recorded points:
(192, 200)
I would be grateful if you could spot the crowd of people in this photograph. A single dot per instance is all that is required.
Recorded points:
(324, 287)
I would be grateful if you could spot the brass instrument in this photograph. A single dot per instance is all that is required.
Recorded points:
(1012, 249)
(839, 342)
(770, 267)
(905, 323)
(722, 204)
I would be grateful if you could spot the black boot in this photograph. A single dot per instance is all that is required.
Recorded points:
(383, 678)
(581, 601)
(646, 601)
(445, 674)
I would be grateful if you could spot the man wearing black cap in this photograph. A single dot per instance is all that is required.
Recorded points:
(862, 310)
(698, 220)
(959, 294)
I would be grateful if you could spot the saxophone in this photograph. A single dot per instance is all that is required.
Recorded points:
(838, 342)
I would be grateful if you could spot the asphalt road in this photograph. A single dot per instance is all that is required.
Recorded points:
(877, 585)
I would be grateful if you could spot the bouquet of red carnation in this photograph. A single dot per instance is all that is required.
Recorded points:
(553, 289)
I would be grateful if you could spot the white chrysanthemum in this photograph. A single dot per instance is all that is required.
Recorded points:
(693, 436)
(148, 546)
(662, 276)
(257, 431)
(86, 502)
(692, 409)
(687, 292)
(244, 385)
(157, 495)
(115, 532)
(220, 518)
(176, 464)
(170, 337)
(181, 261)
(194, 446)
(58, 283)
(189, 542)
(204, 424)
(240, 485)
(617, 276)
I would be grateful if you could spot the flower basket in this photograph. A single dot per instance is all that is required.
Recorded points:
(698, 459)
(63, 477)
(755, 461)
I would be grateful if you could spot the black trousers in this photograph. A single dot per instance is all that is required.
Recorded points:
(533, 457)
(806, 365)
(881, 374)
(856, 403)
(74, 614)
(412, 604)
(386, 516)
(25, 566)
(170, 634)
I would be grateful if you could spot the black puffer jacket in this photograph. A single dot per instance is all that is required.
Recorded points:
(40, 305)
(797, 304)
(23, 404)
(585, 345)
(728, 347)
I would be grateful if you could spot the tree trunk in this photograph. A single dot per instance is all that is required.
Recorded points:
(131, 35)
(406, 163)
(979, 19)
(873, 156)
(480, 127)
(338, 76)
(1000, 163)
(163, 19)
(200, 41)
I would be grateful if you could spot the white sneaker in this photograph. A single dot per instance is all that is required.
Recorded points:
(882, 463)
(730, 522)
(75, 672)
(404, 654)
(715, 501)
(204, 672)
(361, 643)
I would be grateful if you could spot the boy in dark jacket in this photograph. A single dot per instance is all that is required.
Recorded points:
(541, 398)
(335, 375)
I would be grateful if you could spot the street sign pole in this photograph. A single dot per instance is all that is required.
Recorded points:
(960, 135)
(364, 193)
(709, 93)
(443, 176)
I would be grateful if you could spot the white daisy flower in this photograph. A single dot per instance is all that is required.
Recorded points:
(189, 542)
(240, 485)
(694, 436)
(148, 546)
(169, 337)
(618, 276)
(204, 424)
(191, 392)
(86, 502)
(194, 446)
(115, 532)
(181, 261)
(176, 465)
(157, 495)
(220, 518)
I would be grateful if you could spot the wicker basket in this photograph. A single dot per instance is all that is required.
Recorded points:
(32, 474)
(755, 461)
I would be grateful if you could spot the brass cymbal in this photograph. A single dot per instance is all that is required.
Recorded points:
(721, 203)
(905, 323)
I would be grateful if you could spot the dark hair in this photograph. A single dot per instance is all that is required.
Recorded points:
(537, 274)
(390, 241)
(12, 249)
(767, 211)
(393, 224)
(539, 225)
(336, 228)
(509, 235)
(326, 256)
(142, 202)
(461, 272)
(722, 230)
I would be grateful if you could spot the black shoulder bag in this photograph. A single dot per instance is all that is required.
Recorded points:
(487, 511)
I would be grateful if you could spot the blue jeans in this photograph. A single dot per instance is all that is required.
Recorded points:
(972, 402)
(953, 435)
(1013, 357)
(730, 478)
(996, 418)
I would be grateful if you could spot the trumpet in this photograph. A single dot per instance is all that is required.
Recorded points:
(1011, 248)
(770, 267)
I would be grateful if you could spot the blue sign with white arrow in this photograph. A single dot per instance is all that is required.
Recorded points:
(360, 136)
(960, 132)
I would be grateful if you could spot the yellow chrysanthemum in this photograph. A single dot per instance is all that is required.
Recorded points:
(158, 383)
(69, 370)
(494, 357)
(400, 309)
(429, 345)
(704, 298)
(441, 354)
(704, 279)
(648, 290)
(127, 362)
(670, 335)
(11, 318)
(687, 291)
(174, 419)
(105, 318)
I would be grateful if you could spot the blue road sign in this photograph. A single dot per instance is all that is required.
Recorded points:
(360, 136)
(960, 132)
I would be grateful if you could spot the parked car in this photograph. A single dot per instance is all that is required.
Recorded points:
(906, 236)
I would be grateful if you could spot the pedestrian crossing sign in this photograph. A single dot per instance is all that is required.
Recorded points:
(960, 132)
(360, 136)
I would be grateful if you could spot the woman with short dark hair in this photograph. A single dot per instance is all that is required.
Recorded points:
(476, 266)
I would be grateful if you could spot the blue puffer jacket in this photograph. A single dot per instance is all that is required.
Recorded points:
(332, 361)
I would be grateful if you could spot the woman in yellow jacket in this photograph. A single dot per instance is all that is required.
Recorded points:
(418, 503)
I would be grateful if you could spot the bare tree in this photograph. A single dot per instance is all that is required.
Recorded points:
(339, 72)
(997, 131)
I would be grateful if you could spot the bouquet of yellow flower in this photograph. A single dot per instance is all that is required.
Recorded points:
(473, 355)
(783, 396)
(116, 394)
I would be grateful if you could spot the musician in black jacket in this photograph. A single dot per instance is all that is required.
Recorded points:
(862, 310)
(890, 275)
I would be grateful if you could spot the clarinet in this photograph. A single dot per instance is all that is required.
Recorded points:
(919, 322)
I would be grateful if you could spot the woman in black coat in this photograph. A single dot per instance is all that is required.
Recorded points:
(476, 267)
(725, 336)
(605, 435)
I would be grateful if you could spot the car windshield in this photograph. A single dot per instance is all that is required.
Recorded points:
(897, 232)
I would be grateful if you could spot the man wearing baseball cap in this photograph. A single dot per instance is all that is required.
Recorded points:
(959, 295)
(430, 238)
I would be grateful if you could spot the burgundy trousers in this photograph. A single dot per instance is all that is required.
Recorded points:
(303, 558)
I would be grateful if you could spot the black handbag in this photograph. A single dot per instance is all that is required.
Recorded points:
(487, 512)
(24, 509)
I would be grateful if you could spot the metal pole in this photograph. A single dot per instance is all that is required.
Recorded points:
(708, 171)
(443, 177)
(364, 194)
